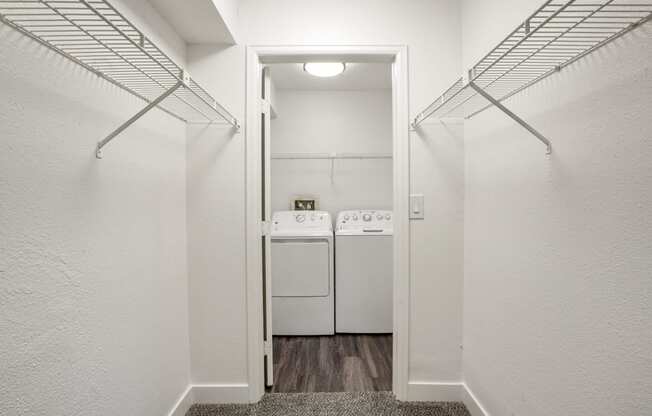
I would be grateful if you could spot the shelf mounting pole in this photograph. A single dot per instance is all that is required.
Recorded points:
(513, 116)
(154, 103)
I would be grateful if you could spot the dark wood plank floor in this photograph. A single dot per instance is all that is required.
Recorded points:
(332, 363)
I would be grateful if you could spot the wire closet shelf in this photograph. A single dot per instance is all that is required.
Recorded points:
(330, 156)
(95, 35)
(555, 36)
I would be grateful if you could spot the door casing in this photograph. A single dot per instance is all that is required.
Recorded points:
(256, 58)
(266, 208)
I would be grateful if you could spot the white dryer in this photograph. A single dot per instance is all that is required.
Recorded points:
(302, 273)
(364, 272)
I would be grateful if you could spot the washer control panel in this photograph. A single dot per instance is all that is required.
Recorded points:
(365, 221)
(288, 220)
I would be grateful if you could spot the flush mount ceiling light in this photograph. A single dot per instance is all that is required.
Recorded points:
(324, 69)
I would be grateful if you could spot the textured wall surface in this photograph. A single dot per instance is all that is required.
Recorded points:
(105, 275)
(333, 122)
(558, 294)
(216, 230)
(93, 289)
(430, 29)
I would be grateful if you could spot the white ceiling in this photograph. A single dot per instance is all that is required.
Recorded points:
(357, 76)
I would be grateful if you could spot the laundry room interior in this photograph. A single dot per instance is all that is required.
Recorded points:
(330, 156)
(282, 207)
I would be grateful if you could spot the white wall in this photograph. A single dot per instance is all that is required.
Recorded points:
(216, 227)
(335, 121)
(558, 297)
(93, 289)
(216, 205)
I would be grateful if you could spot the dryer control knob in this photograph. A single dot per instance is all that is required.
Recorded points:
(379, 217)
(301, 218)
(366, 217)
(355, 218)
(346, 217)
(388, 217)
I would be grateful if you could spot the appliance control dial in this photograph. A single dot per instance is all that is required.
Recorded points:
(355, 217)
(366, 217)
(388, 217)
(300, 218)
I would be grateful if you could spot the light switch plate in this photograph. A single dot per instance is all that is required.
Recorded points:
(416, 207)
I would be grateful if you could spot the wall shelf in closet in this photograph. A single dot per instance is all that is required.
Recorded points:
(296, 156)
(332, 157)
(95, 35)
(553, 37)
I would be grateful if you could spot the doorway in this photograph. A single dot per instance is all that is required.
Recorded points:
(356, 347)
(327, 158)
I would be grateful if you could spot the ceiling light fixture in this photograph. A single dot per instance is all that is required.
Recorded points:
(324, 69)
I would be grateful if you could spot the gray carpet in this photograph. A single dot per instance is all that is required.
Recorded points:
(331, 404)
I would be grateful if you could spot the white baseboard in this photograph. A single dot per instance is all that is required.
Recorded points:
(417, 392)
(210, 394)
(220, 393)
(472, 403)
(183, 404)
(427, 391)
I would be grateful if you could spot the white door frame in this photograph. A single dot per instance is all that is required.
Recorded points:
(256, 57)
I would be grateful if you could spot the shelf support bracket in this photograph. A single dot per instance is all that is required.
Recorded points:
(152, 104)
(513, 116)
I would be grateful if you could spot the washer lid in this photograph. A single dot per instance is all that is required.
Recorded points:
(364, 222)
(301, 224)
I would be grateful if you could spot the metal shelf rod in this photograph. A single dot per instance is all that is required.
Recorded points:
(329, 156)
(556, 35)
(95, 35)
(132, 120)
(514, 117)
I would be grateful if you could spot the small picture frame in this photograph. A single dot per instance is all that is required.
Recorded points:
(304, 204)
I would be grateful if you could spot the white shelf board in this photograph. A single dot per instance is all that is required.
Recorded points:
(200, 21)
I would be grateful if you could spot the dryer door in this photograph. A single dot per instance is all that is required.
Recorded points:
(301, 267)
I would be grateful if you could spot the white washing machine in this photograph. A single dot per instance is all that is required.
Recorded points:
(302, 273)
(364, 272)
